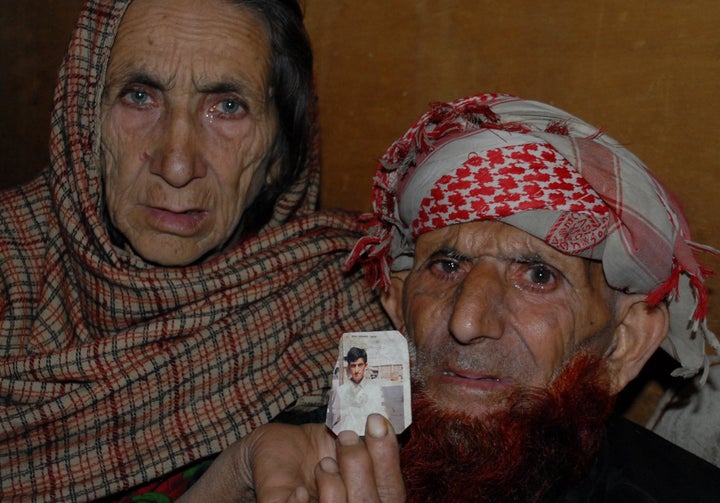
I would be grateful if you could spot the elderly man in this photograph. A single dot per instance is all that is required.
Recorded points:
(534, 265)
(166, 285)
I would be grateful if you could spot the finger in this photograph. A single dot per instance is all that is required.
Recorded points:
(356, 468)
(299, 495)
(384, 451)
(331, 488)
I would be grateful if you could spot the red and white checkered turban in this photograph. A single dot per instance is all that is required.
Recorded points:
(538, 168)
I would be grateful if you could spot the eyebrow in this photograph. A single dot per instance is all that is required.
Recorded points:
(123, 79)
(221, 87)
(524, 257)
(145, 79)
(532, 258)
(447, 251)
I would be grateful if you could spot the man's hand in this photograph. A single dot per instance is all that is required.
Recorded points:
(267, 466)
(365, 471)
(280, 463)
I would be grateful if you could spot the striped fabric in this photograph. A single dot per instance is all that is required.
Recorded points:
(114, 372)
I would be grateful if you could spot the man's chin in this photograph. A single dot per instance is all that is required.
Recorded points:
(525, 446)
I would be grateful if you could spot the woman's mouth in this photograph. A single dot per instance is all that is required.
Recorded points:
(182, 223)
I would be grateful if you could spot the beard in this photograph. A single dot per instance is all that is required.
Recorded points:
(530, 451)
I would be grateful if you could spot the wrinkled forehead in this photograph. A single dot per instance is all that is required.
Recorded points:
(210, 33)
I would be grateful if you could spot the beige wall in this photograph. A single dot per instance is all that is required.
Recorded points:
(646, 70)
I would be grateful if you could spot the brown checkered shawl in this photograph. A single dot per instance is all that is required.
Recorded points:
(114, 372)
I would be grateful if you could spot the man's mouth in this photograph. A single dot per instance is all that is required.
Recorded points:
(473, 381)
(481, 377)
(472, 393)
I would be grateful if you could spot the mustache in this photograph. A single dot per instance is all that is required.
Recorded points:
(492, 364)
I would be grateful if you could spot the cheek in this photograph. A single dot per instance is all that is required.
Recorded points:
(233, 196)
(129, 132)
(239, 165)
(545, 331)
(427, 313)
(124, 146)
(237, 146)
(111, 168)
(119, 171)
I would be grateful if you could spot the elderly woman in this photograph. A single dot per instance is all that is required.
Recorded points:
(166, 285)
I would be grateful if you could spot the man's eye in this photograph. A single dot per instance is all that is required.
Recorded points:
(540, 274)
(446, 266)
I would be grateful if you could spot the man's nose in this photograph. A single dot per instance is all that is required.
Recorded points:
(478, 310)
(178, 160)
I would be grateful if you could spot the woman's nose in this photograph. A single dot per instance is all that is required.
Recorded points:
(478, 309)
(178, 160)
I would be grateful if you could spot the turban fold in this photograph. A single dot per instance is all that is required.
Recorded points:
(546, 172)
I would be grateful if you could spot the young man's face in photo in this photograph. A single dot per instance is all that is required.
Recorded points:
(357, 370)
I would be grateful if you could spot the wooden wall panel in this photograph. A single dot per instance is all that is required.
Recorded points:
(33, 35)
(646, 70)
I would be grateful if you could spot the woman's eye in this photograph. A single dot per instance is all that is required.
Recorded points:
(230, 106)
(227, 108)
(136, 97)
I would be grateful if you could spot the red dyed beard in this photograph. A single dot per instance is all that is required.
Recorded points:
(531, 451)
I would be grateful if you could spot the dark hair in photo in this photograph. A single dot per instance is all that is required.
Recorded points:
(355, 354)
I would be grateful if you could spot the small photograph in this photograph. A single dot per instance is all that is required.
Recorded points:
(372, 375)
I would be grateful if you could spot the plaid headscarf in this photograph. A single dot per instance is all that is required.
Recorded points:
(113, 371)
(538, 168)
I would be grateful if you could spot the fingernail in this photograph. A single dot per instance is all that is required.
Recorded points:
(348, 437)
(329, 465)
(376, 426)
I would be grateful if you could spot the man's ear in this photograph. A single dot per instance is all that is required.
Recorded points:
(638, 334)
(392, 299)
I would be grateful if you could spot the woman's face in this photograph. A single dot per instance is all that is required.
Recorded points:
(187, 123)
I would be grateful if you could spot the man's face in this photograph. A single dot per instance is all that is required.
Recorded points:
(490, 308)
(187, 122)
(357, 370)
